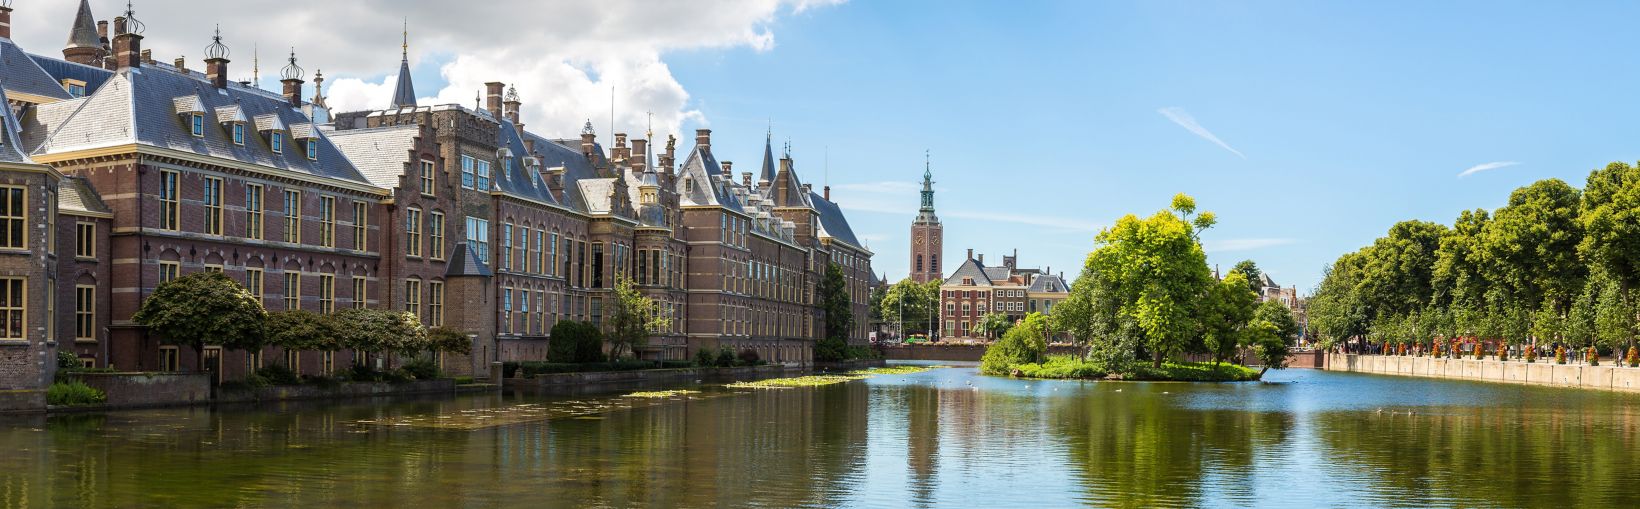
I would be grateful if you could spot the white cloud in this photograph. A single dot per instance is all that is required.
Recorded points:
(1486, 167)
(563, 55)
(1232, 245)
(1179, 116)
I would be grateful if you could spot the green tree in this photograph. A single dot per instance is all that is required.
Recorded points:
(911, 306)
(1155, 271)
(1023, 344)
(380, 331)
(839, 318)
(445, 339)
(302, 330)
(875, 302)
(631, 318)
(1460, 282)
(204, 308)
(1268, 345)
(994, 324)
(1092, 314)
(1336, 309)
(1609, 215)
(1250, 271)
(1224, 314)
(1278, 315)
(1530, 249)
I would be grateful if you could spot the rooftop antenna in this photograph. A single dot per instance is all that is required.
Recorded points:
(256, 66)
(649, 137)
(478, 100)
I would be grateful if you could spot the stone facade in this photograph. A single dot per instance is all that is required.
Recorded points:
(459, 215)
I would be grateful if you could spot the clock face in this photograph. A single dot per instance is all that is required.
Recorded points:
(919, 241)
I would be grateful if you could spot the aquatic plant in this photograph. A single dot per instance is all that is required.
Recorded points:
(661, 394)
(74, 393)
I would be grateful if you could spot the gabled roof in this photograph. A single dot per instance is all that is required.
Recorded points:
(517, 178)
(378, 153)
(22, 75)
(969, 269)
(698, 184)
(139, 106)
(404, 93)
(75, 194)
(465, 262)
(833, 223)
(1048, 283)
(996, 274)
(59, 69)
(11, 139)
(1264, 279)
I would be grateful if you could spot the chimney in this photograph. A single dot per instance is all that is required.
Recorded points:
(5, 21)
(703, 138)
(982, 258)
(216, 62)
(728, 173)
(292, 75)
(510, 106)
(181, 64)
(746, 178)
(640, 155)
(589, 140)
(148, 57)
(127, 44)
(102, 31)
(620, 152)
(827, 191)
(492, 98)
(670, 156)
(970, 253)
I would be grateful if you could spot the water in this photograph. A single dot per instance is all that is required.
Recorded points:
(1316, 439)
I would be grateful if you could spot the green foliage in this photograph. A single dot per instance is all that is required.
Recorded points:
(380, 330)
(1023, 344)
(839, 319)
(916, 303)
(1224, 313)
(1267, 344)
(1062, 367)
(1250, 272)
(278, 374)
(630, 318)
(302, 330)
(993, 325)
(74, 393)
(422, 368)
(1609, 216)
(705, 358)
(529, 369)
(575, 342)
(445, 339)
(725, 357)
(464, 380)
(1070, 367)
(203, 308)
(67, 360)
(748, 357)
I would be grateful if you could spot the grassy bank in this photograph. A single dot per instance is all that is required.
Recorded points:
(1070, 367)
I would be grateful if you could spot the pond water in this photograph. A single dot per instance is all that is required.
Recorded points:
(941, 438)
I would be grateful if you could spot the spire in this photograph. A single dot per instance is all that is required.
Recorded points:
(319, 88)
(404, 95)
(927, 210)
(768, 156)
(84, 32)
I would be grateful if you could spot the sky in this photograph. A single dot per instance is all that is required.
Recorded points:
(1307, 127)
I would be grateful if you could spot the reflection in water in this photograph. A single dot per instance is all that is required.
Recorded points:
(945, 438)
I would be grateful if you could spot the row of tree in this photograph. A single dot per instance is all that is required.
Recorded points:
(209, 309)
(1556, 264)
(1146, 292)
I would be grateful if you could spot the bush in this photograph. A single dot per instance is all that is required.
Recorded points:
(1594, 357)
(530, 369)
(589, 344)
(423, 369)
(1634, 357)
(254, 380)
(361, 373)
(67, 360)
(562, 346)
(74, 393)
(1503, 352)
(676, 364)
(704, 358)
(1531, 354)
(1023, 344)
(1560, 355)
(464, 380)
(279, 374)
(397, 376)
(324, 382)
(1060, 366)
(749, 357)
(725, 357)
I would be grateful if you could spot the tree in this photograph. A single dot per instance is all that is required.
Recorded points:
(910, 305)
(380, 331)
(1225, 312)
(994, 325)
(1024, 344)
(445, 339)
(204, 308)
(1530, 248)
(1278, 315)
(1609, 216)
(1250, 271)
(1268, 345)
(302, 330)
(839, 318)
(875, 302)
(631, 318)
(1336, 309)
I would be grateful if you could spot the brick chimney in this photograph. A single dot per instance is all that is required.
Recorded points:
(181, 64)
(216, 61)
(292, 75)
(728, 171)
(5, 21)
(668, 158)
(127, 45)
(102, 31)
(492, 98)
(589, 140)
(746, 178)
(510, 106)
(640, 155)
(703, 138)
(827, 191)
(970, 253)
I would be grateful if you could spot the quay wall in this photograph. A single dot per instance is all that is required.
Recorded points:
(1544, 372)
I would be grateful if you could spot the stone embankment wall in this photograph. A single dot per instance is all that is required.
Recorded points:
(643, 375)
(136, 390)
(1543, 372)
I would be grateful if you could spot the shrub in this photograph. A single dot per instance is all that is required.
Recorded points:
(1480, 352)
(255, 380)
(324, 382)
(1023, 344)
(1531, 354)
(704, 358)
(1634, 357)
(67, 360)
(1594, 357)
(676, 364)
(74, 393)
(589, 343)
(1436, 352)
(1560, 355)
(362, 373)
(279, 374)
(1503, 352)
(422, 369)
(445, 339)
(749, 357)
(509, 369)
(725, 357)
(562, 346)
(397, 376)
(464, 380)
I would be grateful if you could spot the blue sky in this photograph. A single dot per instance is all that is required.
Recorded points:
(1045, 120)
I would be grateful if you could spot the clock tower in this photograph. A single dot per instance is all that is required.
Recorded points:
(927, 235)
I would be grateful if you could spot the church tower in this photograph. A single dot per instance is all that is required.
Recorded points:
(927, 235)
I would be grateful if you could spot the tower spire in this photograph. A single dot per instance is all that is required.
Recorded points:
(404, 94)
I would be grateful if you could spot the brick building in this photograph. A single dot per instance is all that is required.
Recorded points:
(975, 290)
(147, 171)
(927, 236)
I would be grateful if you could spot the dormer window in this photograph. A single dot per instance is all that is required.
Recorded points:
(196, 124)
(309, 137)
(313, 149)
(192, 111)
(968, 281)
(274, 129)
(75, 88)
(276, 141)
(232, 119)
(239, 134)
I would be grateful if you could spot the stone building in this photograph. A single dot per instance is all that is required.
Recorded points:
(147, 171)
(975, 290)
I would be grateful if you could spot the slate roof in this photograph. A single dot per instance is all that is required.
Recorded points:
(20, 74)
(970, 268)
(560, 153)
(1048, 283)
(11, 139)
(75, 194)
(996, 274)
(1264, 279)
(404, 93)
(465, 262)
(94, 77)
(832, 221)
(378, 153)
(83, 34)
(140, 106)
(700, 184)
(598, 194)
(517, 178)
(768, 159)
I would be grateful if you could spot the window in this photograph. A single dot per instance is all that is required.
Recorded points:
(327, 293)
(483, 173)
(435, 235)
(85, 240)
(216, 267)
(253, 211)
(412, 298)
(253, 360)
(239, 134)
(169, 271)
(327, 362)
(293, 360)
(169, 360)
(276, 140)
(293, 216)
(506, 311)
(360, 296)
(327, 221)
(597, 265)
(478, 236)
(293, 289)
(361, 224)
(196, 124)
(435, 303)
(313, 149)
(253, 283)
(552, 260)
(540, 253)
(13, 219)
(85, 313)
(467, 168)
(168, 205)
(521, 248)
(504, 254)
(598, 311)
(412, 232)
(75, 88)
(428, 187)
(211, 197)
(13, 308)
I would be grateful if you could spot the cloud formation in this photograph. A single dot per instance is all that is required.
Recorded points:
(1179, 116)
(1486, 167)
(565, 56)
